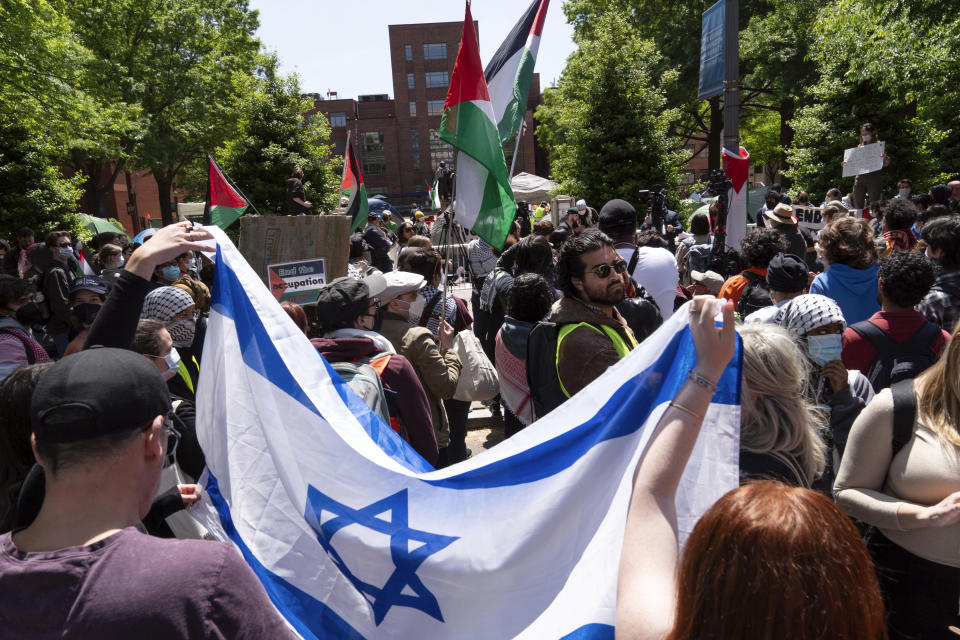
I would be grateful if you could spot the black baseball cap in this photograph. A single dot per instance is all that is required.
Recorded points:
(97, 392)
(89, 283)
(787, 273)
(616, 213)
(347, 297)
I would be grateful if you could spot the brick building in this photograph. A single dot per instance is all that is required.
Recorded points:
(396, 139)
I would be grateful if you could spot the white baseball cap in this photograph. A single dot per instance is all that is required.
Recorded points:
(399, 283)
(581, 204)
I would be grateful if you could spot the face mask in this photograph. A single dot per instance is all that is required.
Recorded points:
(416, 308)
(173, 364)
(867, 138)
(29, 314)
(83, 314)
(904, 193)
(824, 349)
(171, 273)
(66, 253)
(182, 332)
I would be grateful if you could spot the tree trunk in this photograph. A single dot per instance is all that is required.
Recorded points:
(92, 194)
(164, 185)
(715, 136)
(787, 107)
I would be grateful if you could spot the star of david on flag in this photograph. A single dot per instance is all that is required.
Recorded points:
(408, 549)
(354, 535)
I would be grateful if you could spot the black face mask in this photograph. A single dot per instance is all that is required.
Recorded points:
(83, 315)
(29, 314)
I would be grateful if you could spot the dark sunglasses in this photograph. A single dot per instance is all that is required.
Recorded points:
(603, 270)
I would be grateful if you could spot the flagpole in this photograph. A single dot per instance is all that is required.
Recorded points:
(242, 194)
(516, 148)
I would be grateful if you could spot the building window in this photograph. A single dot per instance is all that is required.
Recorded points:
(413, 109)
(408, 51)
(374, 159)
(434, 107)
(338, 119)
(411, 81)
(415, 148)
(440, 150)
(437, 79)
(435, 51)
(340, 146)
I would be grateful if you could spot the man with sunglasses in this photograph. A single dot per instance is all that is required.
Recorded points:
(592, 333)
(81, 568)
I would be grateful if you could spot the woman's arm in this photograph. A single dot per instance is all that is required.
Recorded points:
(646, 589)
(863, 472)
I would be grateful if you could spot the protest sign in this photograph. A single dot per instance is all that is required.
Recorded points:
(298, 282)
(711, 51)
(809, 218)
(865, 159)
(274, 240)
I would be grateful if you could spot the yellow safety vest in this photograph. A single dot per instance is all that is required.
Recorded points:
(618, 343)
(185, 373)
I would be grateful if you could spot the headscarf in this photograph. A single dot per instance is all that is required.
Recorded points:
(808, 311)
(165, 302)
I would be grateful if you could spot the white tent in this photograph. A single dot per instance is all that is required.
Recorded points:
(530, 188)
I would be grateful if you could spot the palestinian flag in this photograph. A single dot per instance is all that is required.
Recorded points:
(435, 192)
(224, 202)
(485, 201)
(353, 189)
(511, 69)
(84, 267)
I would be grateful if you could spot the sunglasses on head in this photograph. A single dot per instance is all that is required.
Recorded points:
(603, 270)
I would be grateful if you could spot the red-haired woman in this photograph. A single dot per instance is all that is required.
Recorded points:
(766, 562)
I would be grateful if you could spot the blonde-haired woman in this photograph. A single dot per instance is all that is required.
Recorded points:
(779, 428)
(901, 473)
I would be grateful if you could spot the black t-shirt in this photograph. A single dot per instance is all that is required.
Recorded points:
(295, 190)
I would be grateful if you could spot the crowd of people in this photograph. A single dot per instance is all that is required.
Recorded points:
(848, 515)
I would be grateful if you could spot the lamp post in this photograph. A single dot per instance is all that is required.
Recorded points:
(176, 203)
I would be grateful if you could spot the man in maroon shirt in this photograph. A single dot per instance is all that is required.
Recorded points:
(904, 280)
(81, 569)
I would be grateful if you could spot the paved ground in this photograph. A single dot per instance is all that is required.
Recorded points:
(483, 430)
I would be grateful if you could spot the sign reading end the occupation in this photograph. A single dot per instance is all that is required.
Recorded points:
(298, 282)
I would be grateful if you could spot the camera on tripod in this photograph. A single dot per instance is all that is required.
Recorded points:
(656, 198)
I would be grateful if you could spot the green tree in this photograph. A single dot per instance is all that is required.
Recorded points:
(607, 124)
(273, 138)
(892, 64)
(33, 191)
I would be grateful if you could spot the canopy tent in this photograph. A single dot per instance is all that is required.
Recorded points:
(100, 225)
(530, 188)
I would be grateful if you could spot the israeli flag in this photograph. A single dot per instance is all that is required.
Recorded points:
(353, 535)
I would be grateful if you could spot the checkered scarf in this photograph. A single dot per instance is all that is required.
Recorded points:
(807, 312)
(165, 302)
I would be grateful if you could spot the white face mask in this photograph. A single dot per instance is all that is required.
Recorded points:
(172, 360)
(867, 137)
(416, 308)
(905, 193)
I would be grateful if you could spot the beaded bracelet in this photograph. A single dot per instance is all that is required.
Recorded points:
(693, 376)
(686, 410)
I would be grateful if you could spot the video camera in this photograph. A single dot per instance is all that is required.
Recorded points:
(656, 198)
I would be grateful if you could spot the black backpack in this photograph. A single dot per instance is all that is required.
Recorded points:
(546, 393)
(898, 361)
(755, 296)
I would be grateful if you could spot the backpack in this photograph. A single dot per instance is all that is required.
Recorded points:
(699, 257)
(546, 394)
(904, 413)
(897, 361)
(27, 348)
(364, 379)
(755, 296)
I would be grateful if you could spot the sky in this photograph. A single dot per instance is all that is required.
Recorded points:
(344, 46)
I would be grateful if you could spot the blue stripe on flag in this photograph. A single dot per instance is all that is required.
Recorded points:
(260, 354)
(311, 618)
(595, 631)
(625, 412)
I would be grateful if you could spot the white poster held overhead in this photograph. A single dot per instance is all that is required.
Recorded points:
(865, 159)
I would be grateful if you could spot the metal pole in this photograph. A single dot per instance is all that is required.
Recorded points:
(513, 162)
(731, 77)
